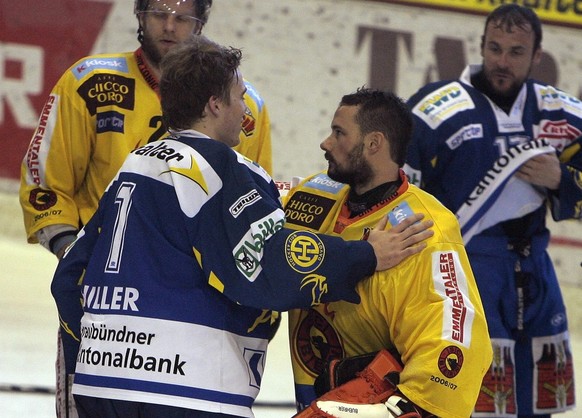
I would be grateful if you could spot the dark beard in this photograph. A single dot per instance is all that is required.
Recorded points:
(151, 51)
(504, 101)
(357, 172)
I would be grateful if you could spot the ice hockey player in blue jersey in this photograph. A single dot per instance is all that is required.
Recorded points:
(178, 270)
(500, 149)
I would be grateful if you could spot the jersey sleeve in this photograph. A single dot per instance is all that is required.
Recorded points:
(66, 287)
(56, 160)
(446, 128)
(272, 267)
(437, 324)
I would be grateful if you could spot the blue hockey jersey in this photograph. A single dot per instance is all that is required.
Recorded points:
(177, 271)
(462, 142)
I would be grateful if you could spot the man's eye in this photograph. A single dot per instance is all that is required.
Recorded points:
(184, 18)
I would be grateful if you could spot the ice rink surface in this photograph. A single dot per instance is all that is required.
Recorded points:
(28, 326)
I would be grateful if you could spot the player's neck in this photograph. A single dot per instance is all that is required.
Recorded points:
(152, 65)
(359, 203)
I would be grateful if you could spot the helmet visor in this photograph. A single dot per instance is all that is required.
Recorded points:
(181, 10)
(171, 6)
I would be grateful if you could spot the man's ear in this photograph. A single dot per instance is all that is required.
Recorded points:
(537, 56)
(373, 141)
(214, 105)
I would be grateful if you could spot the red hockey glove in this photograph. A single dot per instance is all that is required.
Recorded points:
(373, 385)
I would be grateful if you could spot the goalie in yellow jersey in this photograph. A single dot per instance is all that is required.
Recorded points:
(427, 310)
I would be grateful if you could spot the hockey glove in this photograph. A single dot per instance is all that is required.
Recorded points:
(368, 390)
(397, 406)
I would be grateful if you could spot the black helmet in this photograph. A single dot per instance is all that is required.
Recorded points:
(139, 6)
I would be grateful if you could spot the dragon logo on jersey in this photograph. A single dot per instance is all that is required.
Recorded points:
(316, 343)
(318, 289)
(304, 251)
(42, 199)
(450, 361)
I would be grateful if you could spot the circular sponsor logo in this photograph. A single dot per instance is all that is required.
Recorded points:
(42, 199)
(304, 251)
(450, 361)
(316, 343)
(558, 319)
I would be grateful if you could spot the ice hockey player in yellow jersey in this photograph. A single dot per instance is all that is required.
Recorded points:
(427, 308)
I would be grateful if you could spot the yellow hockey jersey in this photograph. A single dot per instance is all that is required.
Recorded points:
(428, 307)
(103, 107)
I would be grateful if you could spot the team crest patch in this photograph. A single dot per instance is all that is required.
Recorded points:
(248, 124)
(316, 343)
(451, 361)
(304, 251)
(41, 199)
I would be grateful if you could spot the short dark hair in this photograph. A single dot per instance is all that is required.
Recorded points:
(383, 111)
(192, 73)
(508, 16)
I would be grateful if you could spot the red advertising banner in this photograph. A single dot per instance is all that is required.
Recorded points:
(39, 40)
